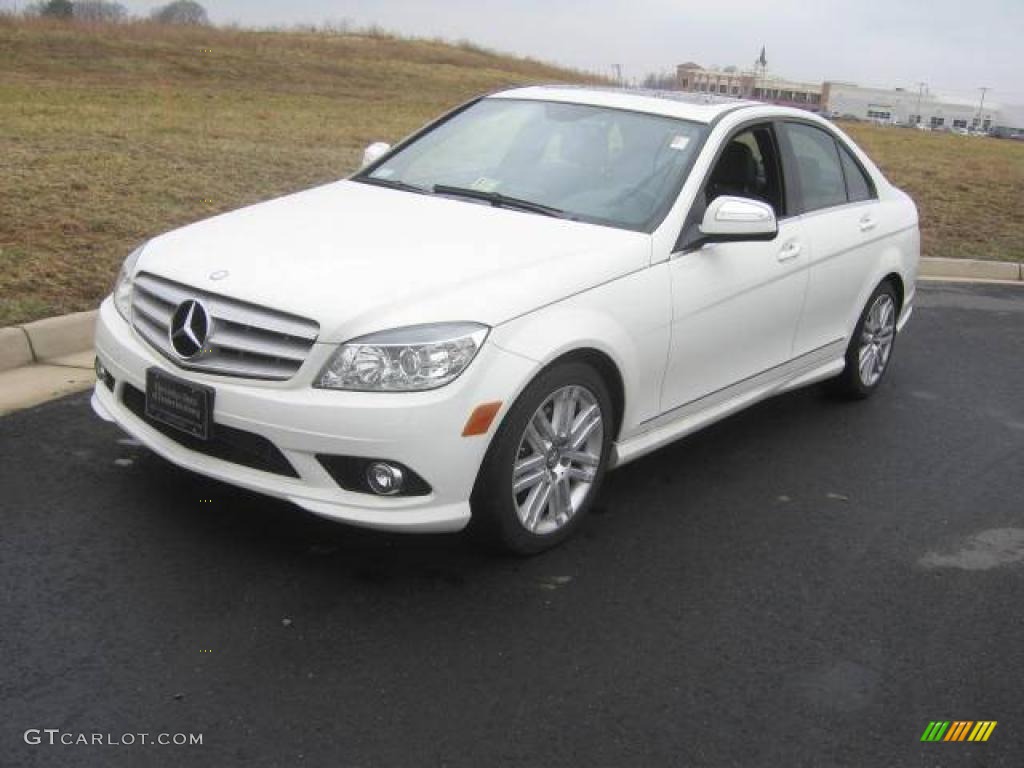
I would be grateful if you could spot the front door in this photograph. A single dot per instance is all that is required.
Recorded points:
(736, 305)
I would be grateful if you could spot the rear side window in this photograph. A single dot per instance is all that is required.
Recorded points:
(818, 167)
(858, 186)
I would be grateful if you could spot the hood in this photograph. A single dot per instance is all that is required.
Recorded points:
(358, 258)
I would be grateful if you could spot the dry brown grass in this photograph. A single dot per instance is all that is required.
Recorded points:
(109, 135)
(969, 189)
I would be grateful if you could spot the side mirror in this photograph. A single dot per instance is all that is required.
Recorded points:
(374, 152)
(737, 219)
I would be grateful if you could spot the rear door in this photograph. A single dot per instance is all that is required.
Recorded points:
(840, 212)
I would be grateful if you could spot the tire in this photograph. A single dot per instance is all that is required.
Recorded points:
(872, 343)
(569, 469)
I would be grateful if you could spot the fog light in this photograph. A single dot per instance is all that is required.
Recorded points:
(384, 479)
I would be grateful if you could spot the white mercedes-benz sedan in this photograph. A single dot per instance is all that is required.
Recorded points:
(541, 285)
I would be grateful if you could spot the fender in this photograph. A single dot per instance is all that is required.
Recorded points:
(900, 257)
(628, 320)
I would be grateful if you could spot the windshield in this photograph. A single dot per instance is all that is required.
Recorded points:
(606, 166)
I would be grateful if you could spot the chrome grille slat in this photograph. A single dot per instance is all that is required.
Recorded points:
(166, 290)
(263, 333)
(149, 330)
(154, 311)
(141, 285)
(247, 315)
(225, 338)
(254, 369)
(245, 340)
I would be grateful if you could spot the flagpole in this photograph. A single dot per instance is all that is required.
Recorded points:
(760, 72)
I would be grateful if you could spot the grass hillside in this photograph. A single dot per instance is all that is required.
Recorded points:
(111, 134)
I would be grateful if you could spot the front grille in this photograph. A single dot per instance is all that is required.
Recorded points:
(226, 443)
(243, 340)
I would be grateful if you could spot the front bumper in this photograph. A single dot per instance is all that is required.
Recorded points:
(421, 430)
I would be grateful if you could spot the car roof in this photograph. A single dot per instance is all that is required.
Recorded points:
(699, 107)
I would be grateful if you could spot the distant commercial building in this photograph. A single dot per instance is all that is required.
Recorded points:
(906, 107)
(749, 84)
(897, 106)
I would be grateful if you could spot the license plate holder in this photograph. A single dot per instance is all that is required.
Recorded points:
(184, 405)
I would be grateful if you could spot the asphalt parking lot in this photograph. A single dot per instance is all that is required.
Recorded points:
(806, 584)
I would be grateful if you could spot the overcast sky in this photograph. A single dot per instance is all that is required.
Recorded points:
(953, 45)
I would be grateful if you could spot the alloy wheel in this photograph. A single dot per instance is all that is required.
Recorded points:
(557, 460)
(876, 339)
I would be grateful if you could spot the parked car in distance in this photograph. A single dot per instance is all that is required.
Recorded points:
(1003, 132)
(542, 285)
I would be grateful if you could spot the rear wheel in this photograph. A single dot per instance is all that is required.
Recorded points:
(870, 348)
(546, 462)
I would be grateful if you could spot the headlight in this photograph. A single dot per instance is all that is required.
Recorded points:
(123, 286)
(404, 360)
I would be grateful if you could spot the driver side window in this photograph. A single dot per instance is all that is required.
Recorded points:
(748, 167)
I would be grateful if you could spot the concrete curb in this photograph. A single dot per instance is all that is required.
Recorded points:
(62, 335)
(45, 340)
(15, 351)
(45, 359)
(975, 269)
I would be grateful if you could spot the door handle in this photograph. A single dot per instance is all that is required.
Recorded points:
(790, 251)
(867, 223)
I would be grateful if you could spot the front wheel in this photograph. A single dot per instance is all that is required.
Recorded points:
(870, 348)
(546, 462)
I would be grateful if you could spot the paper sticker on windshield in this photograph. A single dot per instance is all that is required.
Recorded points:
(680, 142)
(485, 184)
(384, 173)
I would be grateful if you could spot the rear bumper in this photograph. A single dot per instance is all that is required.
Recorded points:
(420, 430)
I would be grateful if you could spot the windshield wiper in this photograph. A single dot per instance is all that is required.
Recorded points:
(499, 200)
(392, 184)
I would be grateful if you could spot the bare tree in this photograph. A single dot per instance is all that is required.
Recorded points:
(60, 9)
(660, 82)
(182, 12)
(99, 11)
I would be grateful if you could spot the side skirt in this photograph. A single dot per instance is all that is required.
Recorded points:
(817, 365)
